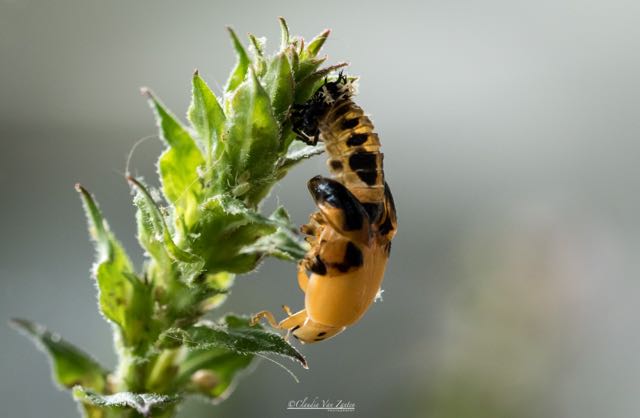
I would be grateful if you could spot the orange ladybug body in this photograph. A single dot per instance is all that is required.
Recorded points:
(350, 234)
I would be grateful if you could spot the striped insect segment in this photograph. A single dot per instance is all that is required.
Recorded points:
(351, 233)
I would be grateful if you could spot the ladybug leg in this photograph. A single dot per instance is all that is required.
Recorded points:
(303, 279)
(291, 321)
(266, 315)
(309, 140)
(314, 228)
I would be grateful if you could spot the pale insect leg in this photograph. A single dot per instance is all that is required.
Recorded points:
(303, 279)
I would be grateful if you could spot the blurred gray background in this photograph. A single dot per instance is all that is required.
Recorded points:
(510, 130)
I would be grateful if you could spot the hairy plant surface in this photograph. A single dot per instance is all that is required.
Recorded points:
(202, 230)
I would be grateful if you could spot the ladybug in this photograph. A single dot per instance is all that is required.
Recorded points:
(350, 234)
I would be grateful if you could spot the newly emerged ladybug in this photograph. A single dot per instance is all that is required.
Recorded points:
(351, 233)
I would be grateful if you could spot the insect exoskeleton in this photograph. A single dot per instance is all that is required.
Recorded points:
(350, 234)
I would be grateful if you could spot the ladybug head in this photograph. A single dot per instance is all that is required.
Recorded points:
(312, 332)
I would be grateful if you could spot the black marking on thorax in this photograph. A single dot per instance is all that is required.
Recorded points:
(363, 160)
(350, 123)
(352, 258)
(337, 195)
(374, 210)
(357, 139)
(318, 266)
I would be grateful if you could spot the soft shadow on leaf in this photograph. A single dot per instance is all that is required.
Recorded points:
(213, 372)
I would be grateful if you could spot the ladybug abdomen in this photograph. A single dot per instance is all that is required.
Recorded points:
(341, 299)
(355, 159)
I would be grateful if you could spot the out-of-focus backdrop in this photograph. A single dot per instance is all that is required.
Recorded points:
(510, 131)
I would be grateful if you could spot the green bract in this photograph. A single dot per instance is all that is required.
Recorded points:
(202, 229)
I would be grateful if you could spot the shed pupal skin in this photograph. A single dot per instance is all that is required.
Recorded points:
(350, 234)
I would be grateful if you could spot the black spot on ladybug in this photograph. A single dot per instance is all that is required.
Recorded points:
(350, 123)
(352, 258)
(318, 266)
(363, 161)
(386, 226)
(337, 195)
(368, 176)
(336, 165)
(389, 197)
(322, 334)
(374, 210)
(357, 139)
(295, 328)
(353, 255)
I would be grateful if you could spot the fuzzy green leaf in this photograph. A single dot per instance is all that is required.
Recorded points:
(157, 225)
(226, 219)
(213, 371)
(178, 164)
(239, 73)
(280, 84)
(316, 44)
(298, 152)
(258, 45)
(220, 281)
(285, 243)
(150, 225)
(156, 238)
(294, 58)
(284, 31)
(306, 67)
(70, 365)
(143, 403)
(185, 302)
(252, 142)
(123, 298)
(235, 334)
(206, 115)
